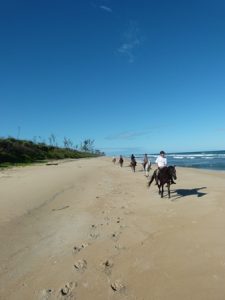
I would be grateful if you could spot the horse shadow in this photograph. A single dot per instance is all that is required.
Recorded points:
(189, 192)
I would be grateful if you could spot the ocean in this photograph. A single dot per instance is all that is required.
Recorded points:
(211, 160)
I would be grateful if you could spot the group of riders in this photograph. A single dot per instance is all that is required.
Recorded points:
(161, 162)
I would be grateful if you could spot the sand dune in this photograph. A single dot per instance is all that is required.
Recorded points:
(88, 229)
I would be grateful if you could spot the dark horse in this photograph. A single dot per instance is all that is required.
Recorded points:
(121, 161)
(166, 176)
(133, 162)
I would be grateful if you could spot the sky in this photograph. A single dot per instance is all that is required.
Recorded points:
(135, 76)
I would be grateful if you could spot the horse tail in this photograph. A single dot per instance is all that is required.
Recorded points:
(152, 178)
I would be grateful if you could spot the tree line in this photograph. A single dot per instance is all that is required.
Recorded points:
(25, 151)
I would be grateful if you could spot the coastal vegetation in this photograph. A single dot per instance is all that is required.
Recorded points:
(17, 151)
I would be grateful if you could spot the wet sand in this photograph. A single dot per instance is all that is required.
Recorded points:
(88, 229)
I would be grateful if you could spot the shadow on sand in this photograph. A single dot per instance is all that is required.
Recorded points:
(189, 192)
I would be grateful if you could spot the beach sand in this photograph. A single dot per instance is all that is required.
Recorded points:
(88, 229)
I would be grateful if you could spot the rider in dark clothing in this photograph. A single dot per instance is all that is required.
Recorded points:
(133, 160)
(121, 160)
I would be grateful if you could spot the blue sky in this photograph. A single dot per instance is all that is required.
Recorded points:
(134, 75)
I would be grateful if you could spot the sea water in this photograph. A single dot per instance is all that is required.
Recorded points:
(211, 160)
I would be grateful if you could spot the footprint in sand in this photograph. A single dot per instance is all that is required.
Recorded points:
(46, 294)
(107, 220)
(118, 286)
(81, 265)
(77, 249)
(107, 265)
(115, 236)
(119, 247)
(118, 220)
(94, 235)
(66, 292)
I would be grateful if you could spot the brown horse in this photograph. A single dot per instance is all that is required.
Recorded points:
(121, 161)
(133, 164)
(166, 176)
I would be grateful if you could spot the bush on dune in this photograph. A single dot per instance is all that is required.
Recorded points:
(22, 151)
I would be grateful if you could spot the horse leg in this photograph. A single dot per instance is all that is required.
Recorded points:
(147, 170)
(162, 191)
(152, 178)
(157, 176)
(159, 189)
(168, 187)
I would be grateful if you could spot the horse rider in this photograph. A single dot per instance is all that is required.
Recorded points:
(133, 162)
(161, 162)
(146, 165)
(121, 161)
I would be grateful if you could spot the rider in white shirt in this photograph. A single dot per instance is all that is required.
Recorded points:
(161, 162)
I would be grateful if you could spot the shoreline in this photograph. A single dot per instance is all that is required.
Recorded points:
(21, 165)
(139, 162)
(210, 160)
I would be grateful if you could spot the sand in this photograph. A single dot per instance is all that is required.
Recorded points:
(88, 229)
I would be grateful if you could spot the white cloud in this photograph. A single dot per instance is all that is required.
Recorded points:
(131, 41)
(106, 8)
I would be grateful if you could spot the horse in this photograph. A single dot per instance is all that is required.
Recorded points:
(133, 164)
(146, 167)
(114, 160)
(121, 161)
(165, 176)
